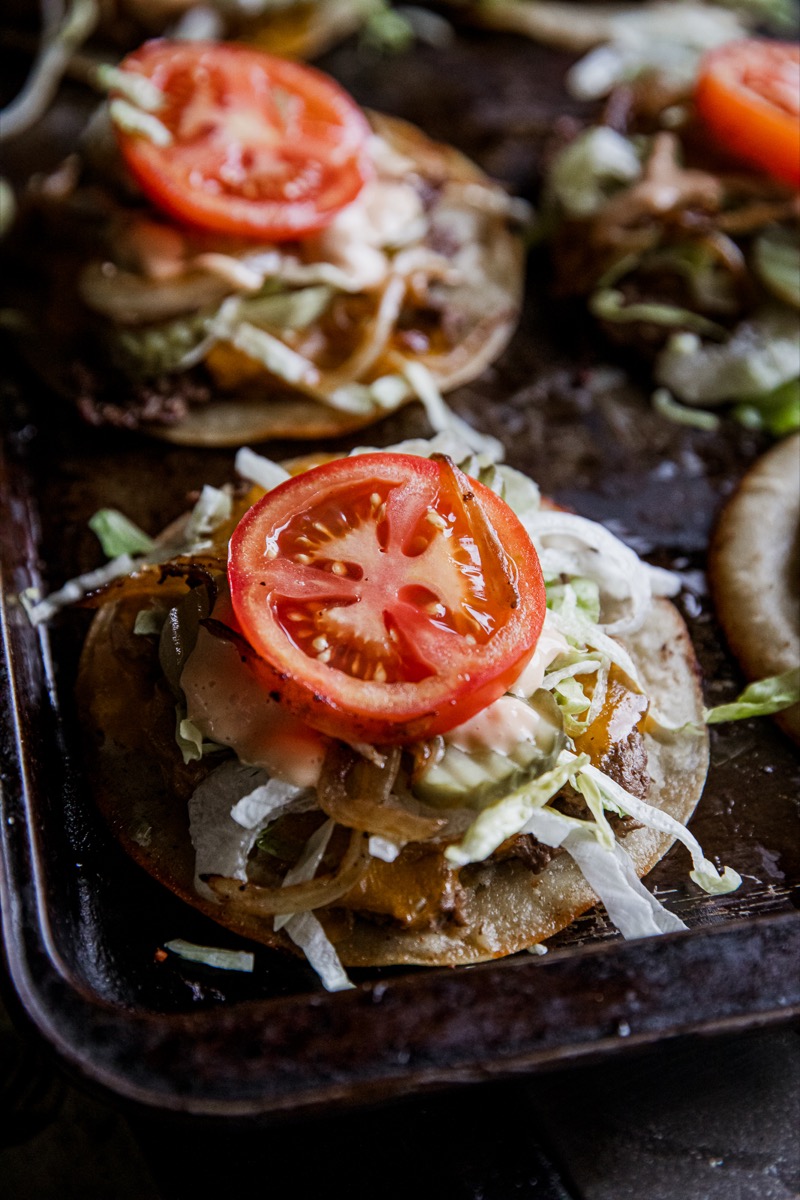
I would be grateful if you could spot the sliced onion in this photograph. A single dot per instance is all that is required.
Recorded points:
(320, 892)
(358, 793)
(129, 299)
(379, 331)
(583, 547)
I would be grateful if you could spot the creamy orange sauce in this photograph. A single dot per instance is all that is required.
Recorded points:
(228, 703)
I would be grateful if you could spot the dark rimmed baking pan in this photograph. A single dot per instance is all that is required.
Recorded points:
(82, 924)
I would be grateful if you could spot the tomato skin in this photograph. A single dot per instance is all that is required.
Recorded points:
(261, 147)
(349, 643)
(748, 94)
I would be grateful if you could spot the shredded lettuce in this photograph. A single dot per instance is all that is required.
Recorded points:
(117, 534)
(665, 404)
(608, 304)
(591, 168)
(212, 509)
(307, 864)
(441, 417)
(387, 29)
(520, 492)
(382, 848)
(704, 873)
(441, 443)
(134, 120)
(652, 39)
(776, 259)
(137, 89)
(212, 956)
(759, 699)
(189, 738)
(306, 932)
(509, 815)
(288, 309)
(382, 395)
(581, 592)
(611, 875)
(569, 694)
(149, 622)
(260, 470)
(166, 348)
(273, 354)
(75, 589)
(576, 628)
(227, 812)
(761, 355)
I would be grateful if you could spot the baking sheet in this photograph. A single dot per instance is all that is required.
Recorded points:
(82, 923)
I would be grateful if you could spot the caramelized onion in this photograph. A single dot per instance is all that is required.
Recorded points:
(319, 892)
(755, 215)
(358, 793)
(145, 582)
(379, 330)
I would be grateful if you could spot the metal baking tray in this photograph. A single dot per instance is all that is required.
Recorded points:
(81, 923)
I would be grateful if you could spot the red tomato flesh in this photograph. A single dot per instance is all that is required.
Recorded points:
(261, 147)
(748, 94)
(389, 597)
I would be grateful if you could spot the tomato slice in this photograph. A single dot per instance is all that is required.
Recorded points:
(748, 93)
(261, 147)
(389, 597)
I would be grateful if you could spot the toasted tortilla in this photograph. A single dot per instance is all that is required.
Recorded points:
(266, 408)
(143, 788)
(754, 566)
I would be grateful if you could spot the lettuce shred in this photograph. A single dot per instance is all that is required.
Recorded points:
(212, 956)
(759, 699)
(761, 355)
(117, 534)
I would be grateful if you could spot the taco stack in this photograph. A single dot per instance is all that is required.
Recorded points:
(474, 824)
(223, 299)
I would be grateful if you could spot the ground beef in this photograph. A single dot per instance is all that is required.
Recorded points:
(527, 849)
(111, 399)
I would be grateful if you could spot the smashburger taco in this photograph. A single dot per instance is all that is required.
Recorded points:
(675, 217)
(392, 708)
(256, 257)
